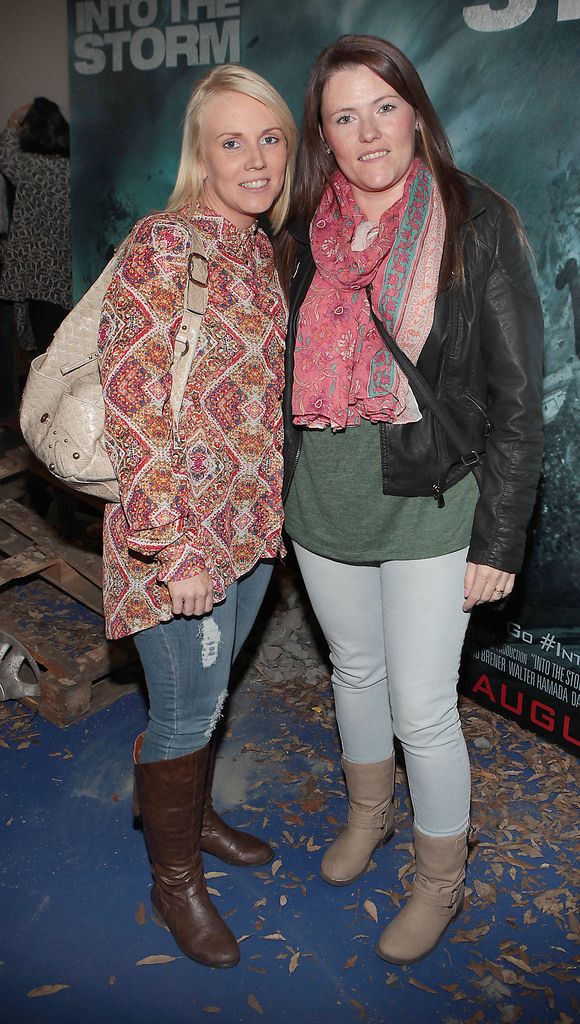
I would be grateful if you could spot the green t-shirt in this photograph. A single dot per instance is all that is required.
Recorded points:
(336, 506)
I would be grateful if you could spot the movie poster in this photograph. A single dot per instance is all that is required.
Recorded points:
(505, 80)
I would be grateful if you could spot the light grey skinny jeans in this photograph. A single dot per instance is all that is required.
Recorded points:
(395, 633)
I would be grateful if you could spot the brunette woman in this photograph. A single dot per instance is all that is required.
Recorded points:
(394, 540)
(188, 552)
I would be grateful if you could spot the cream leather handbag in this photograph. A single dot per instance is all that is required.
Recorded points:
(62, 413)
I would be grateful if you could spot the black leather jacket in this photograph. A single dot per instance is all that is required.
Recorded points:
(483, 359)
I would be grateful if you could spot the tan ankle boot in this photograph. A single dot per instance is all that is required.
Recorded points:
(436, 898)
(371, 820)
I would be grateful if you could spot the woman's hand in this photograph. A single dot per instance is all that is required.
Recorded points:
(193, 596)
(484, 583)
(16, 118)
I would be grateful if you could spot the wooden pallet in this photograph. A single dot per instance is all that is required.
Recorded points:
(17, 460)
(72, 685)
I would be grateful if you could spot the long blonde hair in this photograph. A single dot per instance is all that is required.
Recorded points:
(230, 78)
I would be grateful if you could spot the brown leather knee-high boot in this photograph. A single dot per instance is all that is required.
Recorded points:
(171, 797)
(217, 837)
(229, 844)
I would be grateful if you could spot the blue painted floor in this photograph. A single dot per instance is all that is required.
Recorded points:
(75, 880)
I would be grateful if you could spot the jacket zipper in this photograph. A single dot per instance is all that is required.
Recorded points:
(487, 425)
(437, 491)
(383, 431)
(477, 404)
(438, 486)
(293, 322)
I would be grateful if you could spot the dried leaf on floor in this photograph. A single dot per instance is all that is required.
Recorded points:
(517, 962)
(293, 963)
(156, 958)
(405, 869)
(45, 990)
(371, 909)
(476, 1017)
(471, 934)
(423, 986)
(549, 903)
(510, 1013)
(397, 898)
(254, 1004)
(360, 1007)
(485, 891)
(529, 917)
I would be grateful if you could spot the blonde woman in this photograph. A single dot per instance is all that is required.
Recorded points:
(188, 552)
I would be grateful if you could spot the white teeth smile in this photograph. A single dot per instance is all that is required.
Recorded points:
(254, 184)
(374, 156)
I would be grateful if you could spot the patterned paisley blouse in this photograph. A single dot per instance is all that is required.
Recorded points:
(213, 500)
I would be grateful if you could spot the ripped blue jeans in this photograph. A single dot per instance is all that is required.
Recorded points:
(187, 664)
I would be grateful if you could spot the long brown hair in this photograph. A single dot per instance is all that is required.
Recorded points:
(315, 165)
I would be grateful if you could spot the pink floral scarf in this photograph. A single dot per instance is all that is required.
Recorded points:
(342, 369)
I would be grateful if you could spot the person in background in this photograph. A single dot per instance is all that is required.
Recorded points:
(188, 552)
(7, 395)
(395, 543)
(36, 259)
(4, 209)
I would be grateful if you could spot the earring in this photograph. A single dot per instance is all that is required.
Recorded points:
(418, 127)
(327, 147)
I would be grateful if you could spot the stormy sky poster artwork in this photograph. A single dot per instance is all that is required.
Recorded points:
(503, 76)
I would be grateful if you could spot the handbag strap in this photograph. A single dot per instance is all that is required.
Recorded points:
(425, 392)
(194, 307)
